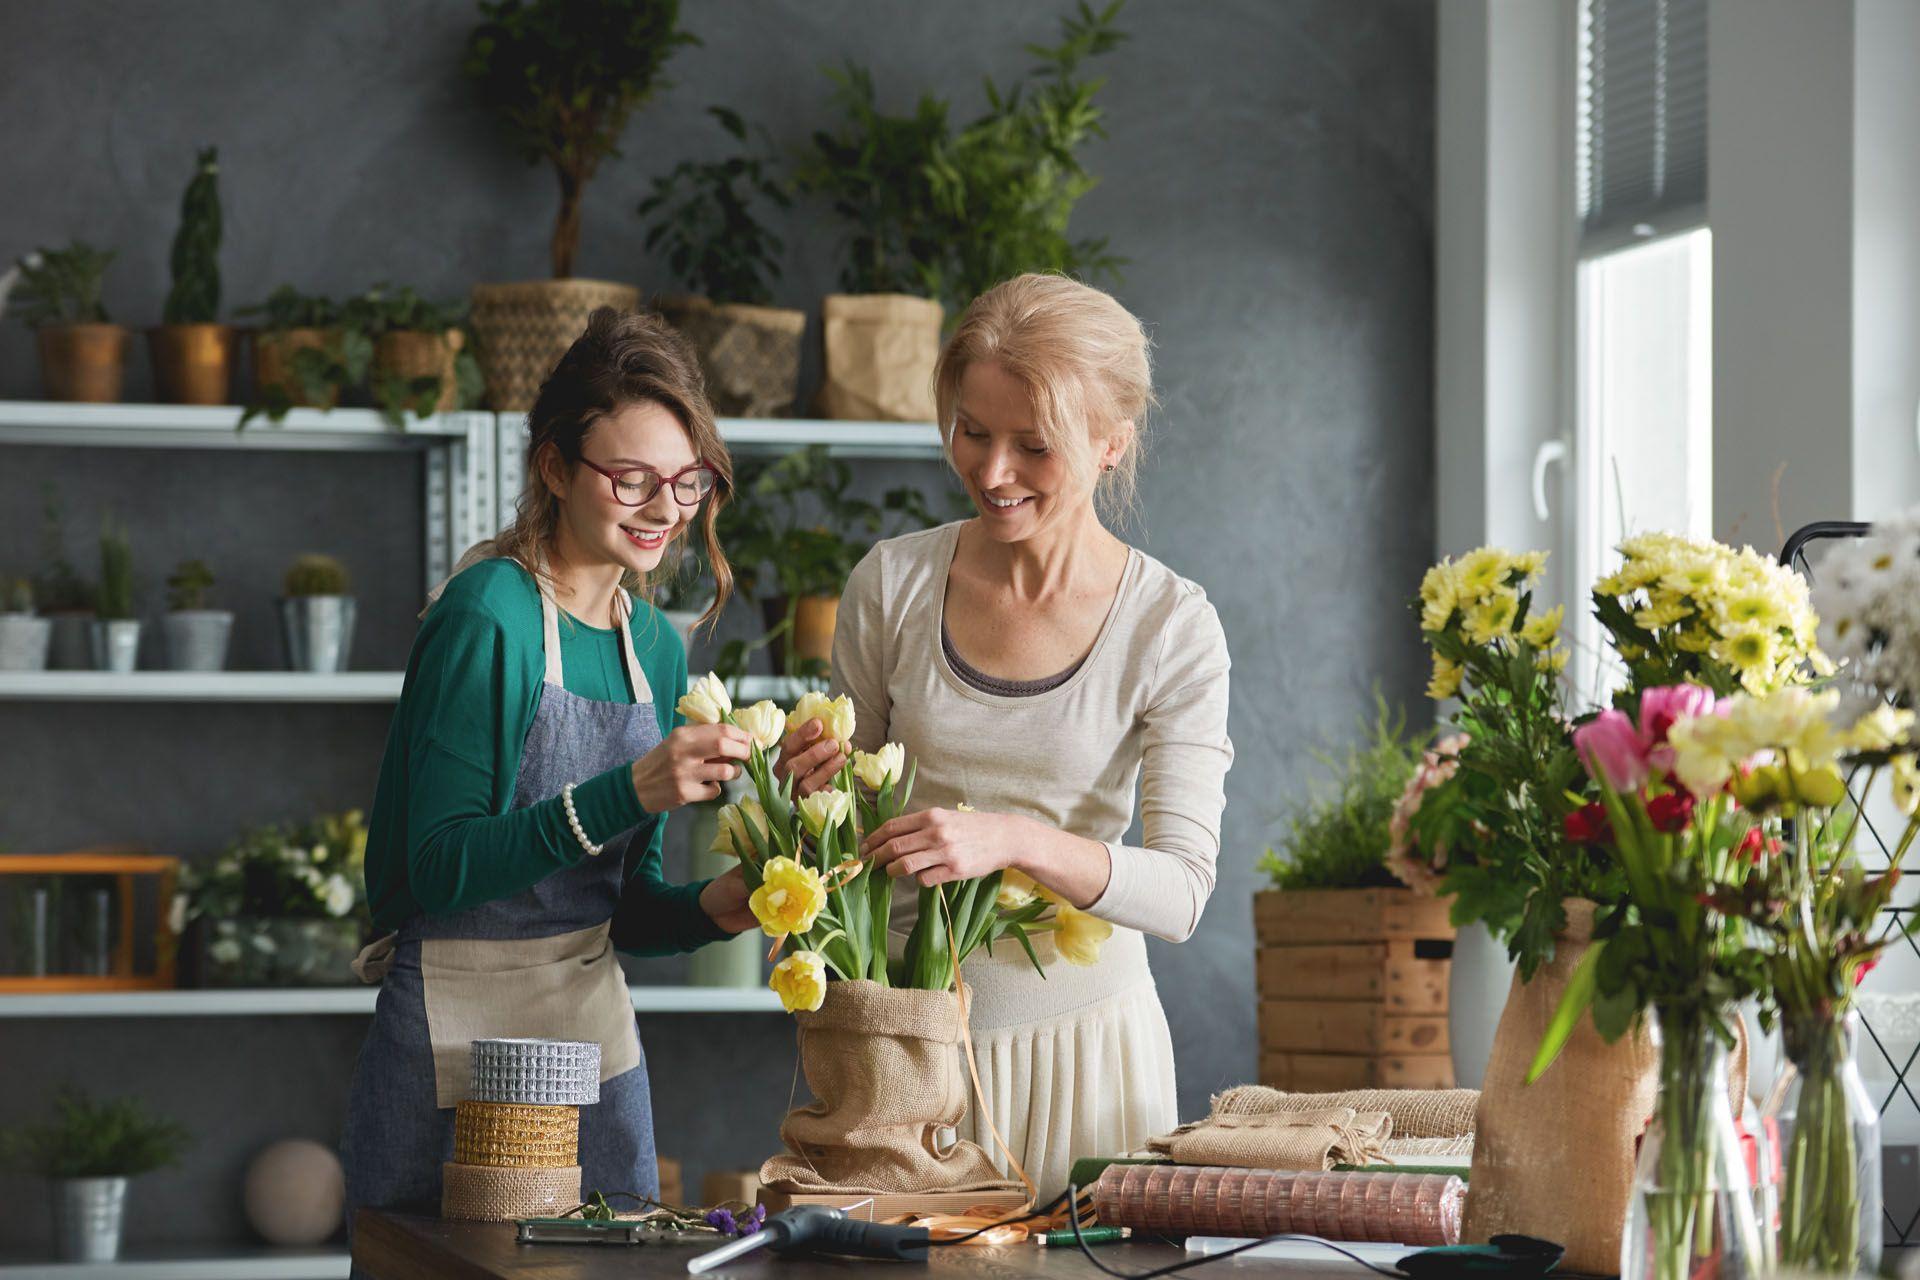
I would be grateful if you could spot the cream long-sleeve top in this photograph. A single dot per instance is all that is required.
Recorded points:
(1147, 705)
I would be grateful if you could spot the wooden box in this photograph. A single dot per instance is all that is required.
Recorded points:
(1353, 989)
(138, 947)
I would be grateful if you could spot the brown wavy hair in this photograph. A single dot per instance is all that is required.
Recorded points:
(623, 358)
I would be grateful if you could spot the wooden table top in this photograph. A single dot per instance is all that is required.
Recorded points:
(398, 1247)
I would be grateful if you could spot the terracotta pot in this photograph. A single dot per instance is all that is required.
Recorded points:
(273, 352)
(413, 354)
(192, 363)
(813, 625)
(521, 330)
(86, 362)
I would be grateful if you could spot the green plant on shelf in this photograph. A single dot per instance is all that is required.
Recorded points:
(195, 260)
(188, 585)
(308, 871)
(706, 224)
(316, 575)
(384, 309)
(1338, 839)
(60, 587)
(325, 370)
(116, 1138)
(61, 286)
(18, 597)
(116, 572)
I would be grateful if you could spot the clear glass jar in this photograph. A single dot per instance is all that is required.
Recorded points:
(1691, 1216)
(1829, 1135)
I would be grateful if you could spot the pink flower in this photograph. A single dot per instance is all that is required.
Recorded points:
(1414, 867)
(1613, 751)
(1660, 708)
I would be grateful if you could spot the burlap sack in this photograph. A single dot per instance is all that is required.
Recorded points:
(890, 1085)
(1292, 1140)
(1554, 1159)
(880, 350)
(750, 356)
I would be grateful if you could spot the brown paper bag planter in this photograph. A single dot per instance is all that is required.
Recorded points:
(879, 353)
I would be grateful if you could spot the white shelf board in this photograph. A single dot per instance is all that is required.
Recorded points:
(199, 686)
(237, 1262)
(302, 1001)
(173, 426)
(848, 439)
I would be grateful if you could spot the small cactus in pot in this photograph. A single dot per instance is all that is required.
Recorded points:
(317, 614)
(197, 637)
(116, 627)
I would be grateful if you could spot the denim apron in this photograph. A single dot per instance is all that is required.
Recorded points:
(536, 964)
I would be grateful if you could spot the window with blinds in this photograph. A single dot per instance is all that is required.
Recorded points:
(1643, 119)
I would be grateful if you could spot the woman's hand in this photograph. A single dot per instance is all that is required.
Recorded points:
(725, 900)
(937, 845)
(813, 765)
(690, 765)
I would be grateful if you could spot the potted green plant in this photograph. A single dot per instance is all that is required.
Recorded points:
(421, 363)
(116, 628)
(564, 77)
(65, 598)
(282, 907)
(702, 218)
(83, 354)
(192, 351)
(317, 615)
(800, 532)
(23, 634)
(197, 637)
(303, 357)
(87, 1151)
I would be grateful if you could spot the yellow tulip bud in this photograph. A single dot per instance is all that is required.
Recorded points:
(789, 899)
(824, 809)
(877, 768)
(834, 714)
(1017, 889)
(1079, 936)
(800, 981)
(764, 722)
(705, 702)
(733, 838)
(1822, 787)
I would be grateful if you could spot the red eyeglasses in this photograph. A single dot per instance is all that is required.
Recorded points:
(635, 487)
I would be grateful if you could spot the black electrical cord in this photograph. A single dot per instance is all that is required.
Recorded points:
(1044, 1211)
(1074, 1193)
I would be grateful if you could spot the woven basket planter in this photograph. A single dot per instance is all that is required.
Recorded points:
(273, 352)
(521, 331)
(411, 354)
(515, 1136)
(482, 1193)
(750, 356)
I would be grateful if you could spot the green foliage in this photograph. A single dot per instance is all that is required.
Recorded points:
(707, 227)
(317, 575)
(18, 597)
(383, 309)
(87, 1139)
(195, 296)
(565, 76)
(288, 308)
(1339, 839)
(309, 871)
(116, 572)
(950, 214)
(60, 587)
(188, 586)
(62, 286)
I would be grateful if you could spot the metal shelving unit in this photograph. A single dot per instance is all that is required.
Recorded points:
(194, 1263)
(310, 1001)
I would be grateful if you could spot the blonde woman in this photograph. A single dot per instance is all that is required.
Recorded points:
(1036, 666)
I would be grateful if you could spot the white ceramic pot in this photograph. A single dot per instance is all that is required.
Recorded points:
(24, 640)
(1476, 994)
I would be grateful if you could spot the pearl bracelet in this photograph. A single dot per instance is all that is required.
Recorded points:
(573, 820)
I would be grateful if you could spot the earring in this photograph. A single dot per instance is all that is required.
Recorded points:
(1109, 466)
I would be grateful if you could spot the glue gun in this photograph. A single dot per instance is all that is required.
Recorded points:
(818, 1229)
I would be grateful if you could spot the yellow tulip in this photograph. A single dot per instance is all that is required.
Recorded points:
(789, 899)
(764, 722)
(1017, 889)
(800, 981)
(877, 768)
(1079, 936)
(705, 702)
(1821, 787)
(733, 837)
(824, 809)
(834, 714)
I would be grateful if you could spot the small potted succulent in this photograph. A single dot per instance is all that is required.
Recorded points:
(197, 636)
(116, 628)
(83, 354)
(65, 599)
(23, 634)
(192, 351)
(87, 1151)
(702, 217)
(421, 363)
(317, 615)
(303, 357)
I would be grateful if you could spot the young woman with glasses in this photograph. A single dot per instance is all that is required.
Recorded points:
(516, 829)
(1036, 666)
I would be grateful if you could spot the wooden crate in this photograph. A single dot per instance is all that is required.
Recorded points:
(1353, 989)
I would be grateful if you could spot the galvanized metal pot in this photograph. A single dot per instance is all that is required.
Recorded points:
(88, 1214)
(197, 639)
(23, 642)
(319, 632)
(116, 644)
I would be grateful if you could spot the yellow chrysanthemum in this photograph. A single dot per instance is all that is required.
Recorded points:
(1492, 618)
(789, 899)
(1439, 593)
(1752, 653)
(800, 981)
(1881, 729)
(1664, 611)
(1446, 678)
(1529, 564)
(1754, 607)
(1542, 629)
(1482, 570)
(1079, 936)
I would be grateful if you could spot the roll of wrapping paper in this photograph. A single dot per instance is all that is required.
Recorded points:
(1383, 1208)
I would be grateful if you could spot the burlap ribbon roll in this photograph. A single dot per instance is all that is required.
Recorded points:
(516, 1135)
(484, 1193)
(1300, 1140)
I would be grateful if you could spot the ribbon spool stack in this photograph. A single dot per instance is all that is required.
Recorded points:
(516, 1137)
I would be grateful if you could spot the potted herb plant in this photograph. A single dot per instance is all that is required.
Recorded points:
(702, 217)
(317, 615)
(192, 352)
(116, 628)
(302, 355)
(65, 598)
(1352, 968)
(283, 906)
(421, 363)
(88, 1150)
(23, 635)
(83, 354)
(197, 636)
(564, 77)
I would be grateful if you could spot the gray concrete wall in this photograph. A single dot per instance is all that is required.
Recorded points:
(1269, 173)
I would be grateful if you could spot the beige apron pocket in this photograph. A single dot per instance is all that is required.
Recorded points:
(568, 987)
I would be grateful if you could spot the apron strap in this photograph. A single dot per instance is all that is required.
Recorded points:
(623, 613)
